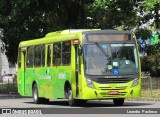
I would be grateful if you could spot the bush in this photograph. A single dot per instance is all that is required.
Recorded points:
(151, 62)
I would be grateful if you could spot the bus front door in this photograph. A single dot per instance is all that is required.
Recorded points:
(78, 72)
(49, 79)
(22, 71)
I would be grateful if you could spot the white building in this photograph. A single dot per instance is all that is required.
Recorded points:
(4, 64)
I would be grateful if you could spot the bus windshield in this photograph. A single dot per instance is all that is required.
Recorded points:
(110, 59)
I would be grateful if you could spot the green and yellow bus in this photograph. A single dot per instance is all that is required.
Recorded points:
(80, 65)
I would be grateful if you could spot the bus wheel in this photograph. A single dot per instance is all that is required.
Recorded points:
(36, 98)
(118, 102)
(72, 102)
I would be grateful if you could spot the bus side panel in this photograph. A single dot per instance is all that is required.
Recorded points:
(63, 74)
(29, 76)
(20, 78)
(56, 89)
(51, 92)
(20, 82)
(45, 78)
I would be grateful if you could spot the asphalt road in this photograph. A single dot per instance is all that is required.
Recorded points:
(91, 107)
(25, 102)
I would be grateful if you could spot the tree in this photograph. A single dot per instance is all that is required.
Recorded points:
(17, 24)
(150, 10)
(110, 14)
(22, 20)
(29, 19)
(151, 63)
(148, 13)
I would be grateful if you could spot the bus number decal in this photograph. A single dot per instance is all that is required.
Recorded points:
(61, 76)
(44, 77)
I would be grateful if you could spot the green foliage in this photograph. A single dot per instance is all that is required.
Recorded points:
(149, 9)
(153, 49)
(149, 4)
(110, 14)
(20, 22)
(144, 33)
(155, 39)
(29, 19)
(151, 63)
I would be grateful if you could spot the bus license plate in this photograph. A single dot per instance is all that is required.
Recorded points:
(113, 92)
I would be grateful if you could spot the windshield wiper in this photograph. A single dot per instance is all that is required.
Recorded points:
(104, 52)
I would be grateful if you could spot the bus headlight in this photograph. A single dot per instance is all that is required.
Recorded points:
(135, 82)
(89, 83)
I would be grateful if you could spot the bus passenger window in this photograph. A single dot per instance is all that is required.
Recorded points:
(19, 58)
(37, 59)
(49, 55)
(66, 53)
(30, 57)
(57, 54)
(42, 55)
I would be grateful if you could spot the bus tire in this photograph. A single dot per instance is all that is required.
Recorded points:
(118, 102)
(35, 95)
(72, 102)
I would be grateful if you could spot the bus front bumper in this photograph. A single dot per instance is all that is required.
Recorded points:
(94, 94)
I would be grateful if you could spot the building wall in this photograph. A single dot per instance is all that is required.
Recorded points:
(4, 64)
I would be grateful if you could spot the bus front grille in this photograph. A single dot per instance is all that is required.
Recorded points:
(112, 88)
(113, 80)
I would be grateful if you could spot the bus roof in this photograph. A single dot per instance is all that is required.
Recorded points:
(55, 36)
(65, 35)
(68, 31)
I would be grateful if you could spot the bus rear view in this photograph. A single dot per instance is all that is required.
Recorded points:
(111, 66)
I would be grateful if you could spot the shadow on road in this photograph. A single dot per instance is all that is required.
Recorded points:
(62, 103)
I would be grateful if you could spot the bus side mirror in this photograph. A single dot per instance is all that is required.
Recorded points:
(79, 51)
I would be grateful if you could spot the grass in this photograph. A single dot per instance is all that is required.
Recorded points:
(155, 93)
